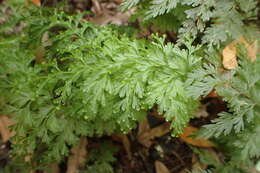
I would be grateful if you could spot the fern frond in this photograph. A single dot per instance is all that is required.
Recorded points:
(160, 7)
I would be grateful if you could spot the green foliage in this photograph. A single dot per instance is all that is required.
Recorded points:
(100, 159)
(63, 77)
(217, 21)
(89, 81)
(159, 7)
(240, 88)
(155, 8)
(206, 158)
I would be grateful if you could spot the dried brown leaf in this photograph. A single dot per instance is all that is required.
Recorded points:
(53, 168)
(143, 127)
(212, 94)
(118, 1)
(146, 135)
(252, 170)
(196, 164)
(229, 52)
(202, 111)
(5, 123)
(37, 2)
(189, 130)
(251, 48)
(118, 19)
(229, 56)
(97, 7)
(78, 156)
(39, 54)
(109, 15)
(160, 167)
(125, 141)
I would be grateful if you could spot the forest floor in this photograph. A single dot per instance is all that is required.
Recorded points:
(149, 148)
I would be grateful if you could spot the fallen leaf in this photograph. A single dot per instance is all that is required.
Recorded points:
(251, 48)
(78, 156)
(229, 56)
(183, 171)
(97, 7)
(104, 19)
(212, 94)
(194, 141)
(125, 141)
(5, 123)
(252, 170)
(39, 54)
(229, 52)
(143, 127)
(37, 2)
(160, 167)
(202, 111)
(28, 158)
(40, 50)
(146, 134)
(196, 164)
(53, 168)
(118, 1)
(108, 15)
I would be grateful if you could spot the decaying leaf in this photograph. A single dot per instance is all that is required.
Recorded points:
(37, 2)
(40, 50)
(202, 111)
(146, 134)
(97, 7)
(253, 170)
(143, 127)
(28, 158)
(251, 48)
(229, 56)
(105, 14)
(212, 94)
(189, 130)
(119, 1)
(5, 123)
(229, 52)
(196, 164)
(125, 141)
(160, 167)
(117, 19)
(78, 156)
(53, 168)
(39, 54)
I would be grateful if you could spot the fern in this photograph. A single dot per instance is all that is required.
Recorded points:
(237, 128)
(129, 4)
(159, 7)
(100, 159)
(63, 77)
(238, 88)
(216, 21)
(90, 81)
